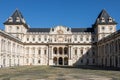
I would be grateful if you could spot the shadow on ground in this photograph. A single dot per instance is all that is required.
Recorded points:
(91, 67)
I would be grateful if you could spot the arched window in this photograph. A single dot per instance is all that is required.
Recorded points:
(81, 51)
(75, 51)
(87, 61)
(65, 50)
(60, 50)
(55, 50)
(93, 61)
(39, 61)
(81, 61)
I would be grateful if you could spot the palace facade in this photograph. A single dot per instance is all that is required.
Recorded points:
(60, 45)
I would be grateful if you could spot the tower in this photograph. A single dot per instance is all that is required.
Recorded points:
(104, 25)
(16, 24)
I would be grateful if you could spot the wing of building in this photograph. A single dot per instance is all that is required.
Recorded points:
(60, 45)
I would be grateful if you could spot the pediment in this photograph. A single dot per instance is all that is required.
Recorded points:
(60, 30)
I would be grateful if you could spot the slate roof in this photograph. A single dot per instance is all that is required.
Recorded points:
(82, 30)
(39, 30)
(72, 30)
(16, 15)
(106, 16)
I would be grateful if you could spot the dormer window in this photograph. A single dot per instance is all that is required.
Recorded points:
(67, 29)
(17, 19)
(10, 19)
(102, 19)
(52, 29)
(110, 19)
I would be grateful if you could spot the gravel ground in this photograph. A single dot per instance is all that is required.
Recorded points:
(57, 73)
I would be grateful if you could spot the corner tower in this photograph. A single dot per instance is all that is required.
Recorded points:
(16, 24)
(104, 25)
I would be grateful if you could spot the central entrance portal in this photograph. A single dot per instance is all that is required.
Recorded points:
(60, 55)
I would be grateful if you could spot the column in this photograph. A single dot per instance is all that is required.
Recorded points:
(63, 55)
(69, 56)
(42, 56)
(63, 60)
(36, 55)
(50, 56)
(6, 58)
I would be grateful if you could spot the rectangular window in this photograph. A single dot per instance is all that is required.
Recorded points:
(39, 39)
(45, 52)
(27, 61)
(93, 61)
(27, 39)
(39, 52)
(45, 39)
(76, 52)
(81, 39)
(33, 61)
(81, 51)
(92, 39)
(87, 39)
(33, 39)
(75, 39)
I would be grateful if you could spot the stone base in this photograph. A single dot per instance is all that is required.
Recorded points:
(50, 62)
(70, 62)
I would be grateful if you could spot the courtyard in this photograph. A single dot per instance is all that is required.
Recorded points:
(57, 73)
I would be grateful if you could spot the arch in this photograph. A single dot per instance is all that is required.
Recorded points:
(60, 50)
(66, 61)
(60, 61)
(55, 60)
(39, 61)
(65, 50)
(55, 50)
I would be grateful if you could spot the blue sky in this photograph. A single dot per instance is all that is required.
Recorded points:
(50, 13)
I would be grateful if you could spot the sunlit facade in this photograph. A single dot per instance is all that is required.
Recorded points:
(60, 45)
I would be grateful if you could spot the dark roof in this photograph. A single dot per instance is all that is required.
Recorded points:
(72, 29)
(82, 30)
(16, 15)
(103, 14)
(39, 30)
